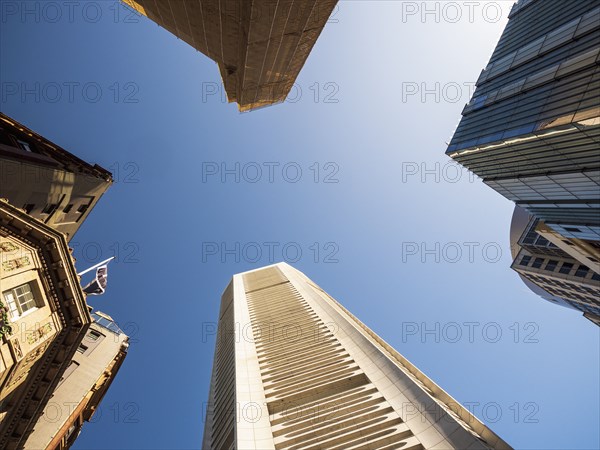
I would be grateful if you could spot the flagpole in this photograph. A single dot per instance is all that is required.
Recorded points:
(96, 266)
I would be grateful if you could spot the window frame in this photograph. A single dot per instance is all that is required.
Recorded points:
(525, 260)
(15, 306)
(82, 348)
(537, 263)
(582, 271)
(24, 145)
(566, 265)
(94, 335)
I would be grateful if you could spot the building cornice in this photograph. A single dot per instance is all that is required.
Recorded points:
(59, 153)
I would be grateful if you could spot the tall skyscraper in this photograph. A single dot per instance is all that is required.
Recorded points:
(45, 180)
(532, 129)
(260, 46)
(551, 272)
(293, 369)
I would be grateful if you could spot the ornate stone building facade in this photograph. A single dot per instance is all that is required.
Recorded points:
(44, 318)
(45, 195)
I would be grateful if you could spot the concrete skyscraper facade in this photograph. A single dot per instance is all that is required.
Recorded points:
(532, 129)
(260, 46)
(293, 369)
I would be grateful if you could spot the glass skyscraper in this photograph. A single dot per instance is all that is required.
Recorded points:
(532, 129)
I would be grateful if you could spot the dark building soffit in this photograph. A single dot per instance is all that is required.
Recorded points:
(95, 169)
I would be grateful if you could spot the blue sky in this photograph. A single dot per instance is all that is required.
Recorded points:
(392, 219)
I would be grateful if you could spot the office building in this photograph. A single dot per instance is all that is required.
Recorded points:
(550, 271)
(294, 369)
(259, 46)
(43, 318)
(532, 129)
(82, 386)
(47, 181)
(45, 323)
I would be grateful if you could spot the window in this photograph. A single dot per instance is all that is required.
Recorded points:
(49, 208)
(567, 242)
(528, 240)
(68, 208)
(71, 430)
(537, 263)
(20, 300)
(551, 266)
(28, 207)
(94, 335)
(72, 433)
(82, 209)
(566, 268)
(82, 348)
(24, 145)
(572, 230)
(525, 260)
(596, 277)
(582, 271)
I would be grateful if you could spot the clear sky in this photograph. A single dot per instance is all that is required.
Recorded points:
(415, 248)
